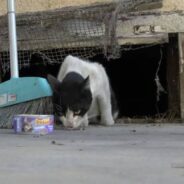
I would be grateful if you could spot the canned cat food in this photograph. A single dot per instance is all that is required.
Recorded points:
(36, 124)
(17, 124)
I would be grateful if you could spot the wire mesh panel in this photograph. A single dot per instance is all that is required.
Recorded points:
(84, 31)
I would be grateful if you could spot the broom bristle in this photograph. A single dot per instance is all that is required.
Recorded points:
(38, 106)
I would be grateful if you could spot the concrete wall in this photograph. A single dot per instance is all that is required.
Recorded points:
(39, 5)
(171, 5)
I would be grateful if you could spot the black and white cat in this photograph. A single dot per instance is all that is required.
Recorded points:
(82, 92)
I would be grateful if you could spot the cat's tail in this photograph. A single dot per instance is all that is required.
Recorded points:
(114, 105)
(115, 115)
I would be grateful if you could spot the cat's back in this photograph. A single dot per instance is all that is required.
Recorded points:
(84, 68)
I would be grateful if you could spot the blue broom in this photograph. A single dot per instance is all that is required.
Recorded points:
(25, 95)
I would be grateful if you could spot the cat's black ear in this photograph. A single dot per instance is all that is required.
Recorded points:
(54, 83)
(86, 83)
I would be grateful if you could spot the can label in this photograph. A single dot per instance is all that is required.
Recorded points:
(36, 124)
(17, 124)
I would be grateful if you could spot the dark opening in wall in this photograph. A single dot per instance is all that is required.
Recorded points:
(133, 80)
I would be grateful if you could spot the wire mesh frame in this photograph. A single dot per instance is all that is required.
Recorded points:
(94, 25)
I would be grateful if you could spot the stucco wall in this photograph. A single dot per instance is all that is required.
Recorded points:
(38, 5)
(169, 5)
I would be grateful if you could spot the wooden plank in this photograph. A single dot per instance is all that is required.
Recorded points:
(150, 5)
(64, 28)
(173, 76)
(0, 69)
(42, 36)
(48, 30)
(181, 58)
(143, 39)
(49, 34)
(167, 22)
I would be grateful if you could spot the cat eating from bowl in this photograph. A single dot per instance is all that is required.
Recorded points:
(81, 93)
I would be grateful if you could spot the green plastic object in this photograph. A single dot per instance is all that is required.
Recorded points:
(17, 90)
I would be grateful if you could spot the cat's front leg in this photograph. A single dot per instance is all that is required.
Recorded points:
(85, 121)
(105, 111)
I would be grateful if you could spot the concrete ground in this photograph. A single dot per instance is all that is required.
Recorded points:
(123, 154)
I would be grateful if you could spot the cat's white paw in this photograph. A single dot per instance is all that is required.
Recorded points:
(107, 122)
(85, 123)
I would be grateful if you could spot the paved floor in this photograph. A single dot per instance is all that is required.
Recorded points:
(124, 154)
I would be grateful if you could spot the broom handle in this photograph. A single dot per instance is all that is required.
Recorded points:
(12, 39)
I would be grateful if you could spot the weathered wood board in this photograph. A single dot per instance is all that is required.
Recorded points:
(173, 77)
(167, 22)
(181, 59)
(148, 27)
(132, 29)
(48, 30)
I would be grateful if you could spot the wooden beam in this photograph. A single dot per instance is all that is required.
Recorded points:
(173, 76)
(70, 27)
(58, 29)
(181, 59)
(150, 5)
(1, 70)
(150, 23)
(143, 39)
